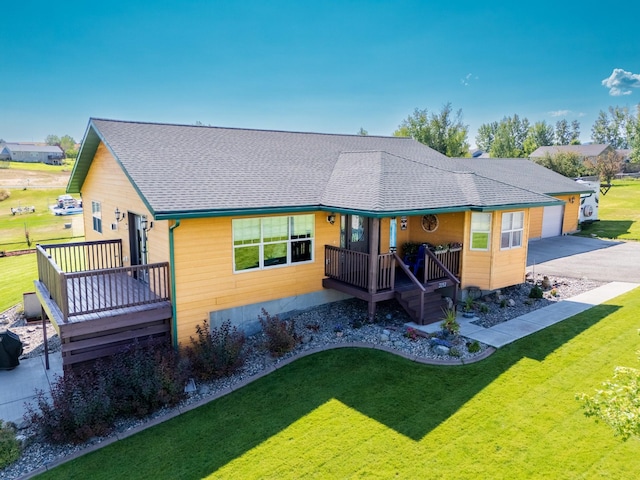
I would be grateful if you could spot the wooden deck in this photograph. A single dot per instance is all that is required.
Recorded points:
(98, 312)
(350, 272)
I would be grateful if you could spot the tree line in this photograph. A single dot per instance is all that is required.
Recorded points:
(515, 137)
(66, 143)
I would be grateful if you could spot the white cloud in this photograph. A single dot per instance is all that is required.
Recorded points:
(621, 82)
(560, 113)
(468, 78)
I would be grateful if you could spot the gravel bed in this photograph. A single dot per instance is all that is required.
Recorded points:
(317, 329)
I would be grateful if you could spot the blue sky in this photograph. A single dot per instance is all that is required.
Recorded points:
(323, 66)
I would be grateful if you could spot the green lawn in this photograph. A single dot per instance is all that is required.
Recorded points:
(619, 213)
(18, 274)
(357, 413)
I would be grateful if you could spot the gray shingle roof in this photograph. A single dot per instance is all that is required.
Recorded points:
(523, 173)
(23, 147)
(196, 170)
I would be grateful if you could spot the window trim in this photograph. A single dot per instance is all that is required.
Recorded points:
(290, 241)
(512, 230)
(96, 216)
(487, 232)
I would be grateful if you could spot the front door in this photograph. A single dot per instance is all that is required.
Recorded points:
(357, 233)
(138, 246)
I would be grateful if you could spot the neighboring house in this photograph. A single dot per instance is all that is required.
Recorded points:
(546, 221)
(30, 152)
(590, 152)
(191, 223)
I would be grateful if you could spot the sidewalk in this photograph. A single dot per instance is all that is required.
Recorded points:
(18, 386)
(512, 330)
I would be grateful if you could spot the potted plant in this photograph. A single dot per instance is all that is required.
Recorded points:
(468, 308)
(450, 324)
(455, 246)
(442, 248)
(410, 252)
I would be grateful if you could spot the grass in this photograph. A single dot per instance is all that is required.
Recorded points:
(619, 213)
(356, 413)
(18, 274)
(43, 167)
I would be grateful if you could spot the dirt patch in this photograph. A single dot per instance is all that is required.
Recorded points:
(13, 178)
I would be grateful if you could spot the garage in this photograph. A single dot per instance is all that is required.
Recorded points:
(552, 221)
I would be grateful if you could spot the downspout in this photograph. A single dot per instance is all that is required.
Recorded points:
(172, 270)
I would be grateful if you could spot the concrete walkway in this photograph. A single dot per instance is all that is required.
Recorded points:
(17, 386)
(512, 330)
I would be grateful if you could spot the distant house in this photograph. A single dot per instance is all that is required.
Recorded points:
(586, 152)
(219, 223)
(31, 153)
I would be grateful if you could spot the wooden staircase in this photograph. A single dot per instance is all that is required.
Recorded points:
(433, 305)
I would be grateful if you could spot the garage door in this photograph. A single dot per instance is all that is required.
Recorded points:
(552, 221)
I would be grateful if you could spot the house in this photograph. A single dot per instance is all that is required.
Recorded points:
(591, 152)
(544, 221)
(31, 152)
(187, 223)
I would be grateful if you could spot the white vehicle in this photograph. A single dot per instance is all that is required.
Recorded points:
(589, 201)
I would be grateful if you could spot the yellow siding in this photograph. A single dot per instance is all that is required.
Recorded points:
(495, 268)
(571, 213)
(106, 183)
(535, 222)
(205, 281)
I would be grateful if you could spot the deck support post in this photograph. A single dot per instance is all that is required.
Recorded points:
(374, 247)
(43, 315)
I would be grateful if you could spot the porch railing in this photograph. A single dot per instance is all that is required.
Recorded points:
(434, 263)
(353, 268)
(78, 287)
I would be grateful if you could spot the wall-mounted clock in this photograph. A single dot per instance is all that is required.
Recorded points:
(430, 223)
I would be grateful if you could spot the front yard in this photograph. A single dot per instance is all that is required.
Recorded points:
(365, 413)
(619, 213)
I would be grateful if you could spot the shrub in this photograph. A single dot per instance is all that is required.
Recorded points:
(280, 335)
(216, 352)
(450, 323)
(86, 402)
(473, 347)
(4, 194)
(9, 445)
(454, 352)
(536, 292)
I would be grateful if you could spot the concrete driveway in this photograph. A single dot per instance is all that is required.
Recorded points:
(579, 257)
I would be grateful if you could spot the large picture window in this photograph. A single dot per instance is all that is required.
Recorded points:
(512, 228)
(96, 213)
(480, 230)
(260, 243)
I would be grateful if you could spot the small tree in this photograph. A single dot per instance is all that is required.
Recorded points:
(607, 166)
(569, 164)
(617, 403)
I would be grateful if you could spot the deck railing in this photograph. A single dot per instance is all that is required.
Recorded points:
(353, 268)
(434, 262)
(91, 278)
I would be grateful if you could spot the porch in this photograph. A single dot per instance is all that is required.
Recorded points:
(386, 276)
(96, 304)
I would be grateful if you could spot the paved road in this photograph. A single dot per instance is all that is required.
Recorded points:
(578, 257)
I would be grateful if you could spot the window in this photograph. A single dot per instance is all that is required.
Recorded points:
(96, 212)
(512, 227)
(260, 243)
(480, 230)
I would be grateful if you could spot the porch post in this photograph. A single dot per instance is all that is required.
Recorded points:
(43, 315)
(374, 247)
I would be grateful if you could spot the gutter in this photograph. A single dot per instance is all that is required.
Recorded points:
(172, 270)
